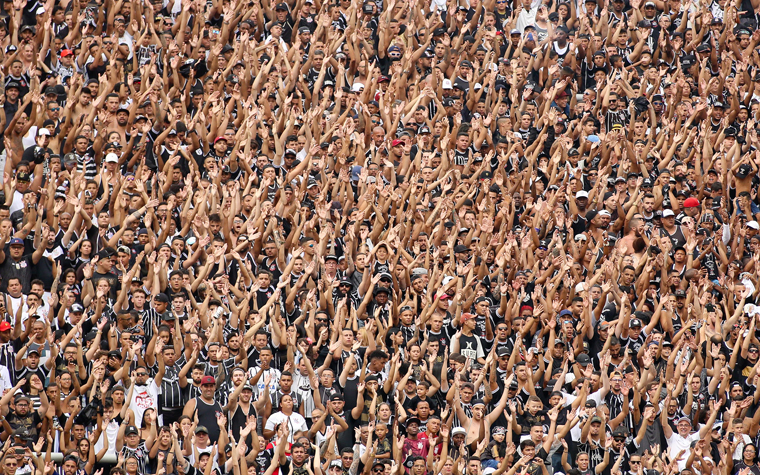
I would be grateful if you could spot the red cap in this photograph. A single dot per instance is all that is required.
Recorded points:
(207, 380)
(526, 307)
(5, 326)
(691, 203)
(467, 316)
(221, 137)
(66, 52)
(396, 142)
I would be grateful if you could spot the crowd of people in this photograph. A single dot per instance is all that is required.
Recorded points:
(379, 237)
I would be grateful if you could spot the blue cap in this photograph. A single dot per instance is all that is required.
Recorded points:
(17, 242)
(565, 312)
(593, 138)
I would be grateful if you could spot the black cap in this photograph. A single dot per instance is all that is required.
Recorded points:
(162, 297)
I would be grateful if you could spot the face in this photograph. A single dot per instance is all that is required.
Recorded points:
(684, 428)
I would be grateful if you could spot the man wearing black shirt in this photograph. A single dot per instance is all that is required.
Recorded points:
(104, 264)
(14, 264)
(22, 416)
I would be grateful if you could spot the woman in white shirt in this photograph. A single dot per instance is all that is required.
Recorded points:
(294, 420)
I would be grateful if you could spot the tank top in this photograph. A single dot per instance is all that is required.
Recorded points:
(207, 417)
(240, 419)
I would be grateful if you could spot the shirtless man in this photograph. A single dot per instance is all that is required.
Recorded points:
(635, 231)
(479, 425)
(84, 106)
(18, 127)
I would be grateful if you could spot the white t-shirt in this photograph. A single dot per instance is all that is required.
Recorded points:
(740, 447)
(112, 432)
(295, 422)
(676, 443)
(144, 397)
(274, 384)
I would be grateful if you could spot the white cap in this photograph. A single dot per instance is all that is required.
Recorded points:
(40, 10)
(357, 87)
(667, 212)
(604, 212)
(447, 84)
(44, 131)
(477, 86)
(580, 287)
(112, 158)
(581, 194)
(753, 224)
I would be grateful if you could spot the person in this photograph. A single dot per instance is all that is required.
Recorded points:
(287, 417)
(373, 237)
(206, 408)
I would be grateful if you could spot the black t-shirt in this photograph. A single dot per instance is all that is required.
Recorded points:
(112, 279)
(30, 421)
(289, 468)
(22, 269)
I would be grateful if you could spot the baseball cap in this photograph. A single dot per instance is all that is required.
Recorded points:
(207, 380)
(667, 212)
(112, 158)
(5, 326)
(133, 430)
(691, 203)
(467, 316)
(581, 194)
(16, 242)
(753, 225)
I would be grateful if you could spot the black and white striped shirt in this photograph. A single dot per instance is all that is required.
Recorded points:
(140, 453)
(620, 116)
(149, 317)
(8, 359)
(86, 163)
(171, 396)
